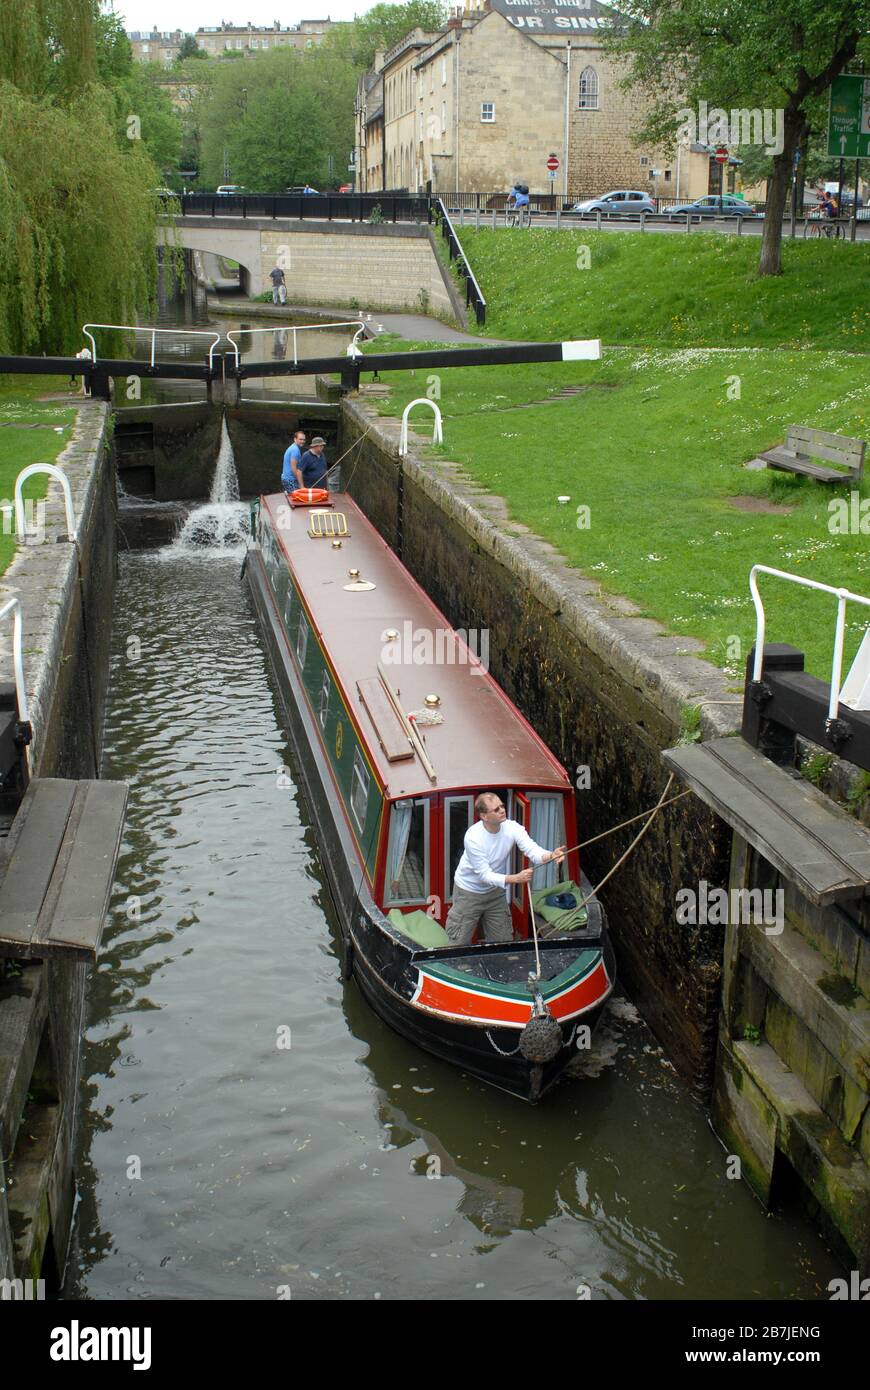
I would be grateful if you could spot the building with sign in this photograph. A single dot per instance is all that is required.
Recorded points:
(491, 97)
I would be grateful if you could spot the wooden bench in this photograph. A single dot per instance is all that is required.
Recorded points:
(802, 444)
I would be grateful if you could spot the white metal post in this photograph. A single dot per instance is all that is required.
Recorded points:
(53, 472)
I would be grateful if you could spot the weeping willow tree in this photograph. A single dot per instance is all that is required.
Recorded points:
(77, 208)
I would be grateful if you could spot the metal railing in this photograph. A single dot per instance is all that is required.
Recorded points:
(139, 328)
(53, 472)
(13, 606)
(473, 292)
(437, 433)
(324, 207)
(843, 596)
(298, 328)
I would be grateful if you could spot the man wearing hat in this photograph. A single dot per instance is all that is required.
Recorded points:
(314, 466)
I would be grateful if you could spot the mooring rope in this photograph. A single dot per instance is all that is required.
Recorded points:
(622, 824)
(660, 804)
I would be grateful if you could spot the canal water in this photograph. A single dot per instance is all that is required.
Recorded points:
(184, 308)
(251, 1130)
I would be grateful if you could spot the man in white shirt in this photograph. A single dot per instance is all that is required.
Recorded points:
(480, 888)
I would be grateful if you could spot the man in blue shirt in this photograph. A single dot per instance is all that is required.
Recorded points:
(291, 474)
(314, 466)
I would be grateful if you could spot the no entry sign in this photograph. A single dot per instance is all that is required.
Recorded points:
(721, 155)
(552, 163)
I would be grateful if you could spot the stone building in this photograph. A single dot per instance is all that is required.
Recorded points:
(502, 88)
(156, 47)
(252, 38)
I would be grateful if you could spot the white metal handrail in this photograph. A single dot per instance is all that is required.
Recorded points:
(140, 328)
(54, 472)
(437, 433)
(298, 328)
(13, 606)
(843, 596)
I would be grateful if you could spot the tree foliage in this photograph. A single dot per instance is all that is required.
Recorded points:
(189, 49)
(775, 54)
(77, 208)
(382, 27)
(277, 120)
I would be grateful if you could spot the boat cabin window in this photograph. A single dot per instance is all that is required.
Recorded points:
(302, 641)
(408, 852)
(359, 788)
(458, 817)
(325, 691)
(290, 604)
(547, 829)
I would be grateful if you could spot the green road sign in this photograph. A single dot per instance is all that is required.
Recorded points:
(849, 118)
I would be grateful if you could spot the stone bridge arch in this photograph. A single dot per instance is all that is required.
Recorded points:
(223, 237)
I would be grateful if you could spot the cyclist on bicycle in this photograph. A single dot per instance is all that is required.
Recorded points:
(518, 203)
(827, 206)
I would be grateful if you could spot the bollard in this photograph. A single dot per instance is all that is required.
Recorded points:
(558, 219)
(739, 226)
(853, 229)
(643, 222)
(493, 219)
(477, 218)
(598, 219)
(688, 223)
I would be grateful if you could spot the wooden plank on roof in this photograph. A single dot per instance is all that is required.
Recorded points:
(801, 832)
(385, 722)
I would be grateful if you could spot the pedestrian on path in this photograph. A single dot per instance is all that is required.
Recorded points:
(279, 286)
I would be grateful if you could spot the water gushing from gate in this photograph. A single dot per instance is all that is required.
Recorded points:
(220, 527)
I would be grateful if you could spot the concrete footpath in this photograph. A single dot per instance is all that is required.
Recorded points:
(416, 328)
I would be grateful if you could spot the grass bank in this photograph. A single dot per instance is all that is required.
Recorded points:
(654, 447)
(32, 430)
(659, 289)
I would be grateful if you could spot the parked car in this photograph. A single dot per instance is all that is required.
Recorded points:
(226, 189)
(300, 188)
(345, 188)
(622, 201)
(716, 205)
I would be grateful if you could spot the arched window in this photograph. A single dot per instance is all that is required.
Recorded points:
(588, 90)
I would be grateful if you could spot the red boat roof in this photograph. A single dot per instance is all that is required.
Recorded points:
(483, 741)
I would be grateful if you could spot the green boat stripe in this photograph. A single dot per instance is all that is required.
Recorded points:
(581, 967)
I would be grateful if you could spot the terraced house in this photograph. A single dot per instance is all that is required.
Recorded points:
(492, 96)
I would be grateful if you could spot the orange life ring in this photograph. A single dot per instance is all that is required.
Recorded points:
(309, 497)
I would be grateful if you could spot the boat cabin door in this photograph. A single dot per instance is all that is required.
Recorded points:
(522, 812)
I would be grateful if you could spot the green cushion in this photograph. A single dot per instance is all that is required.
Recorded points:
(420, 927)
(567, 918)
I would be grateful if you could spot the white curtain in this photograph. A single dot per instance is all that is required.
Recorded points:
(545, 830)
(400, 830)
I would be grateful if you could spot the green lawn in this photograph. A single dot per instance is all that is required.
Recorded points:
(655, 448)
(20, 406)
(661, 289)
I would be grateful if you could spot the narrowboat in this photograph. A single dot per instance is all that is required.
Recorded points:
(398, 726)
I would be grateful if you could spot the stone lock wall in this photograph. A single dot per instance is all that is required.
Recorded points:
(792, 1090)
(66, 594)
